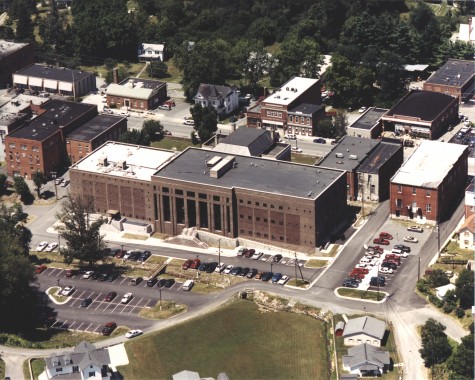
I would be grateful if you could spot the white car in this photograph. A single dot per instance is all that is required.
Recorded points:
(126, 298)
(189, 122)
(228, 269)
(88, 274)
(410, 239)
(57, 181)
(133, 333)
(297, 150)
(415, 229)
(283, 280)
(385, 270)
(41, 246)
(220, 267)
(362, 109)
(51, 247)
(65, 183)
(67, 291)
(403, 254)
(257, 255)
(127, 255)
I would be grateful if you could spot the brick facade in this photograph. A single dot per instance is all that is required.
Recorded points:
(14, 58)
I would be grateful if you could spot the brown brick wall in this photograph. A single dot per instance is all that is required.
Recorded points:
(15, 61)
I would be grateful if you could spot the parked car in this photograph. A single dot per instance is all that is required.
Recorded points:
(252, 273)
(110, 296)
(40, 268)
(58, 181)
(350, 283)
(236, 271)
(111, 277)
(403, 248)
(320, 141)
(385, 270)
(228, 269)
(126, 298)
(244, 272)
(151, 282)
(169, 282)
(277, 258)
(362, 109)
(385, 235)
(165, 107)
(170, 103)
(41, 246)
(189, 122)
(67, 291)
(103, 277)
(283, 280)
(276, 277)
(378, 281)
(241, 251)
(220, 267)
(133, 333)
(69, 273)
(65, 183)
(259, 275)
(86, 302)
(410, 239)
(108, 328)
(415, 229)
(187, 264)
(380, 241)
(203, 267)
(196, 263)
(88, 274)
(249, 253)
(257, 255)
(266, 276)
(161, 282)
(296, 149)
(120, 254)
(211, 267)
(391, 265)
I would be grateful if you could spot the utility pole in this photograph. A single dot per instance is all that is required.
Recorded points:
(53, 175)
(419, 270)
(219, 252)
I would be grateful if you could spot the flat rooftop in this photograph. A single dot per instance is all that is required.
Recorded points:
(369, 119)
(57, 114)
(257, 174)
(305, 109)
(379, 156)
(349, 153)
(8, 47)
(61, 74)
(290, 91)
(141, 162)
(429, 164)
(94, 127)
(21, 102)
(423, 105)
(245, 141)
(455, 72)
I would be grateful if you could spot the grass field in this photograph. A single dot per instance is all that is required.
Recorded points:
(237, 339)
(172, 144)
(2, 369)
(303, 159)
(37, 365)
(362, 294)
(315, 263)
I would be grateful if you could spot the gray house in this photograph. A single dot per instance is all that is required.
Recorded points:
(366, 360)
(364, 330)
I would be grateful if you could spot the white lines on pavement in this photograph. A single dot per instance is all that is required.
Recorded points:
(125, 278)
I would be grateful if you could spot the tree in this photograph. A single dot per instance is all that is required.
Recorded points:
(82, 234)
(24, 27)
(340, 121)
(152, 130)
(206, 122)
(39, 179)
(158, 69)
(464, 288)
(22, 189)
(122, 74)
(3, 183)
(437, 278)
(461, 361)
(52, 29)
(435, 344)
(13, 219)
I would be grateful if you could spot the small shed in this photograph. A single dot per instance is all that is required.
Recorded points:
(340, 326)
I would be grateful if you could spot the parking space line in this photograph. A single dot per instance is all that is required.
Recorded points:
(71, 326)
(134, 307)
(87, 328)
(125, 278)
(62, 324)
(79, 327)
(95, 328)
(60, 271)
(53, 270)
(180, 284)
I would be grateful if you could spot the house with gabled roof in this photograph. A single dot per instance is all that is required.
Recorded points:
(223, 99)
(466, 233)
(364, 330)
(84, 362)
(366, 360)
(151, 52)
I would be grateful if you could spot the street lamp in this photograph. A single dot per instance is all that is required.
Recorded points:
(53, 175)
(160, 291)
(219, 251)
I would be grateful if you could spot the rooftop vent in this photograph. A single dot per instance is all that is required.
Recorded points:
(122, 164)
(102, 161)
(353, 157)
(213, 161)
(339, 155)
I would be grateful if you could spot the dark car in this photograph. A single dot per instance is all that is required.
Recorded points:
(403, 248)
(196, 263)
(277, 258)
(40, 268)
(249, 253)
(111, 277)
(244, 272)
(107, 251)
(144, 256)
(95, 276)
(236, 271)
(161, 282)
(252, 273)
(108, 328)
(203, 267)
(276, 277)
(378, 281)
(70, 273)
(103, 277)
(211, 267)
(169, 282)
(151, 282)
(110, 296)
(135, 255)
(350, 283)
(390, 265)
(86, 302)
(120, 254)
(320, 141)
(266, 276)
(381, 241)
(187, 264)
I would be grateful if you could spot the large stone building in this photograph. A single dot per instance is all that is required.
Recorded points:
(454, 78)
(423, 114)
(428, 185)
(55, 80)
(136, 94)
(274, 112)
(14, 56)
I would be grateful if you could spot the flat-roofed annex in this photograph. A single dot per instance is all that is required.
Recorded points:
(125, 160)
(290, 91)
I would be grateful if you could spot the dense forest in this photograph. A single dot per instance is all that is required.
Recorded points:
(248, 40)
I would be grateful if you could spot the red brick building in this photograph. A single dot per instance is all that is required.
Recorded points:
(14, 56)
(281, 110)
(92, 134)
(428, 185)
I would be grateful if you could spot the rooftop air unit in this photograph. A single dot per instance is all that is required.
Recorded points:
(353, 157)
(339, 155)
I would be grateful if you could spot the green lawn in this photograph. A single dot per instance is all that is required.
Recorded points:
(172, 144)
(237, 339)
(2, 369)
(37, 365)
(304, 159)
(362, 294)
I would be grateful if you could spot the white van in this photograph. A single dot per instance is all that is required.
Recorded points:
(188, 285)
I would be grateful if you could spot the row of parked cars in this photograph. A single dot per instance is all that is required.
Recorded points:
(384, 237)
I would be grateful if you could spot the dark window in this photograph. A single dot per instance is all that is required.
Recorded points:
(241, 216)
(204, 214)
(202, 196)
(165, 189)
(272, 221)
(178, 192)
(190, 194)
(249, 217)
(265, 220)
(191, 211)
(240, 201)
(217, 217)
(266, 236)
(249, 202)
(257, 203)
(280, 207)
(166, 208)
(216, 198)
(258, 219)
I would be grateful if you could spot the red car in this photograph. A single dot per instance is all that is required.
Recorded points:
(171, 103)
(108, 328)
(196, 263)
(110, 296)
(69, 273)
(187, 264)
(385, 235)
(40, 269)
(381, 241)
(119, 254)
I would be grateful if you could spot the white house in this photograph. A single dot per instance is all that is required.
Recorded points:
(223, 99)
(466, 233)
(151, 52)
(467, 32)
(366, 360)
(84, 362)
(364, 330)
(441, 291)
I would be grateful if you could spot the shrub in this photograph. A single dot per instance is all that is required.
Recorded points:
(459, 312)
(422, 286)
(448, 307)
(436, 301)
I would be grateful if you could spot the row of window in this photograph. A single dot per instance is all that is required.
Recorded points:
(265, 220)
(274, 114)
(34, 148)
(414, 205)
(414, 190)
(299, 119)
